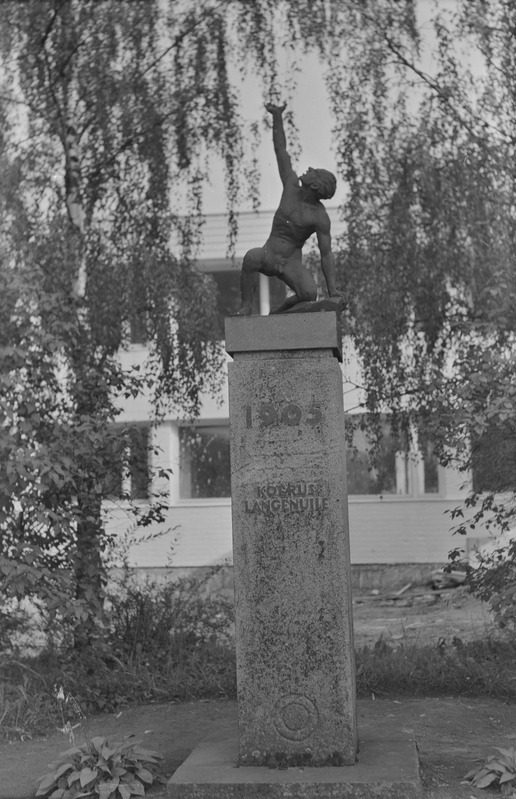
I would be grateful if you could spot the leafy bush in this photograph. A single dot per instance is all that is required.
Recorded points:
(499, 770)
(14, 623)
(103, 769)
(169, 642)
(167, 620)
(51, 591)
(494, 581)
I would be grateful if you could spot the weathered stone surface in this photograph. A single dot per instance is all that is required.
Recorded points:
(387, 768)
(284, 332)
(318, 306)
(295, 666)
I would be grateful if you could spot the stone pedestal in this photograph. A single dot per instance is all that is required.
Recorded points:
(295, 669)
(294, 634)
(387, 769)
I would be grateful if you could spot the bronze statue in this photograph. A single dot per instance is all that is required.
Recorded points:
(300, 213)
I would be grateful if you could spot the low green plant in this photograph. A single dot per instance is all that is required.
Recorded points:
(102, 769)
(498, 771)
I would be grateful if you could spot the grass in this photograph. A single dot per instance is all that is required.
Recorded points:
(476, 668)
(28, 704)
(172, 643)
(29, 707)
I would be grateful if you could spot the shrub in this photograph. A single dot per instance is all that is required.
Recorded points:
(494, 581)
(168, 620)
(169, 642)
(103, 769)
(15, 624)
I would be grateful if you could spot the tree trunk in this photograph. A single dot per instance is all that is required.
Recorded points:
(92, 404)
(89, 571)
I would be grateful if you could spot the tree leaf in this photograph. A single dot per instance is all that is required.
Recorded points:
(87, 776)
(107, 787)
(136, 788)
(486, 780)
(118, 771)
(508, 753)
(46, 782)
(98, 743)
(73, 777)
(146, 754)
(62, 770)
(145, 775)
(124, 790)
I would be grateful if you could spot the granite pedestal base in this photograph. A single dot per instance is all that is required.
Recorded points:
(293, 609)
(387, 768)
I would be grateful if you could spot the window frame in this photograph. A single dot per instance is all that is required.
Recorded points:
(414, 486)
(413, 493)
(222, 423)
(126, 476)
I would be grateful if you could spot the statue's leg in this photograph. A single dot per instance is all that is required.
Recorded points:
(249, 278)
(299, 280)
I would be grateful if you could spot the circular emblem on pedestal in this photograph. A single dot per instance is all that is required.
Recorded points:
(295, 717)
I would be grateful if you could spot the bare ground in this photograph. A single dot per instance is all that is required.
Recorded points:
(420, 614)
(451, 735)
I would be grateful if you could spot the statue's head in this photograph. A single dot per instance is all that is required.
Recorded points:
(324, 183)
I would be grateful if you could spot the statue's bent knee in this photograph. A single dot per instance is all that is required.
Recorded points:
(252, 260)
(307, 295)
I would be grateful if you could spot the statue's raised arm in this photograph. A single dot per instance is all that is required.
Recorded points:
(300, 214)
(280, 142)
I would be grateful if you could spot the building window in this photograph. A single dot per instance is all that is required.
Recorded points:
(204, 462)
(373, 472)
(138, 325)
(493, 458)
(128, 472)
(430, 464)
(227, 284)
(228, 295)
(391, 467)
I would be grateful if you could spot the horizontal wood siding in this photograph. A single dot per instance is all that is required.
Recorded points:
(389, 531)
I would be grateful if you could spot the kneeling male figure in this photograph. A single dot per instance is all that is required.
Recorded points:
(299, 215)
